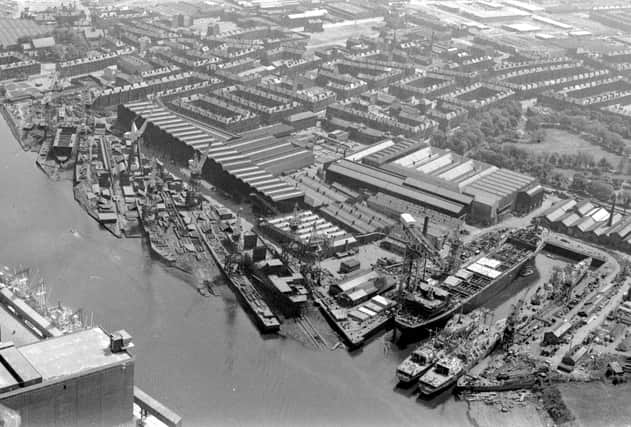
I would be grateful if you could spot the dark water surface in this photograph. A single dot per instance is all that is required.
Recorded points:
(200, 356)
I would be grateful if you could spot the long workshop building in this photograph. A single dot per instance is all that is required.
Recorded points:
(251, 164)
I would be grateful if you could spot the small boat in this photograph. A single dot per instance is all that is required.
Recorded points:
(417, 363)
(528, 270)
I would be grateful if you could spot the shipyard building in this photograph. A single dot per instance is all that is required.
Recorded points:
(249, 165)
(590, 221)
(402, 172)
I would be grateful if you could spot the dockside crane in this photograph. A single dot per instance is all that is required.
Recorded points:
(418, 249)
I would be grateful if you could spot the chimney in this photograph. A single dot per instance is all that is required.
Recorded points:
(613, 210)
(425, 224)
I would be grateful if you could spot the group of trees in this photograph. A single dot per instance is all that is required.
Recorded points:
(481, 131)
(484, 135)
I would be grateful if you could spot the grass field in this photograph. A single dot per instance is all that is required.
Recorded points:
(563, 142)
(598, 404)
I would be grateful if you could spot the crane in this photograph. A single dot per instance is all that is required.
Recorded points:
(418, 247)
(195, 165)
(135, 134)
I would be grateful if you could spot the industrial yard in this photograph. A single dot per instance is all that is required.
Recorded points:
(446, 178)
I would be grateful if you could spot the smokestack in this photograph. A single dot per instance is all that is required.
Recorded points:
(425, 224)
(613, 210)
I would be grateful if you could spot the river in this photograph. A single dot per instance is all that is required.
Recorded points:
(202, 357)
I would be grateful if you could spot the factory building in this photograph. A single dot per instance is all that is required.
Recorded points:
(356, 175)
(306, 228)
(438, 180)
(249, 165)
(590, 221)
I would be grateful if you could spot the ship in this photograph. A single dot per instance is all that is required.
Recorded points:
(426, 355)
(417, 363)
(479, 279)
(578, 271)
(465, 355)
(264, 318)
(564, 280)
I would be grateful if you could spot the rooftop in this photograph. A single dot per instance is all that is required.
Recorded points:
(72, 354)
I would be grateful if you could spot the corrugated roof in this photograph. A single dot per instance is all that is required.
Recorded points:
(241, 166)
(390, 183)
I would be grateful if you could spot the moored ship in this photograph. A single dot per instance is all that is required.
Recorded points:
(427, 354)
(479, 344)
(477, 281)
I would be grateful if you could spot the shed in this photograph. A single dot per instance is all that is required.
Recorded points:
(349, 265)
(554, 336)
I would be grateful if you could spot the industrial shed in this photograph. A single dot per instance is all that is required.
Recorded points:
(356, 175)
(227, 166)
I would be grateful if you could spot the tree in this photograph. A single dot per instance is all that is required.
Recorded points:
(580, 182)
(601, 190)
(604, 164)
(439, 139)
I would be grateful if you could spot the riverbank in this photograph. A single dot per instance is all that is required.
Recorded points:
(483, 414)
(10, 121)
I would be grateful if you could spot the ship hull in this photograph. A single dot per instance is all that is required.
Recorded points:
(408, 380)
(474, 301)
(258, 320)
(428, 391)
(262, 327)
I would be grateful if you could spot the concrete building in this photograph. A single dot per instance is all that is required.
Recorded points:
(439, 180)
(64, 143)
(72, 380)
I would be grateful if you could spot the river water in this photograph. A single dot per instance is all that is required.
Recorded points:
(202, 357)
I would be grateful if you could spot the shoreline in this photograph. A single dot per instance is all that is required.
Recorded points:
(10, 121)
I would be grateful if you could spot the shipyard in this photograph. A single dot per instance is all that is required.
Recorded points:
(412, 209)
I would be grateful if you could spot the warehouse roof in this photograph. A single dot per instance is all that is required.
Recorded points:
(43, 42)
(227, 155)
(393, 184)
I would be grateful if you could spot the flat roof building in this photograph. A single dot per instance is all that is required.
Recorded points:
(72, 380)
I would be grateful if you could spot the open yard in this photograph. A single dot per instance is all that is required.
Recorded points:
(563, 142)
